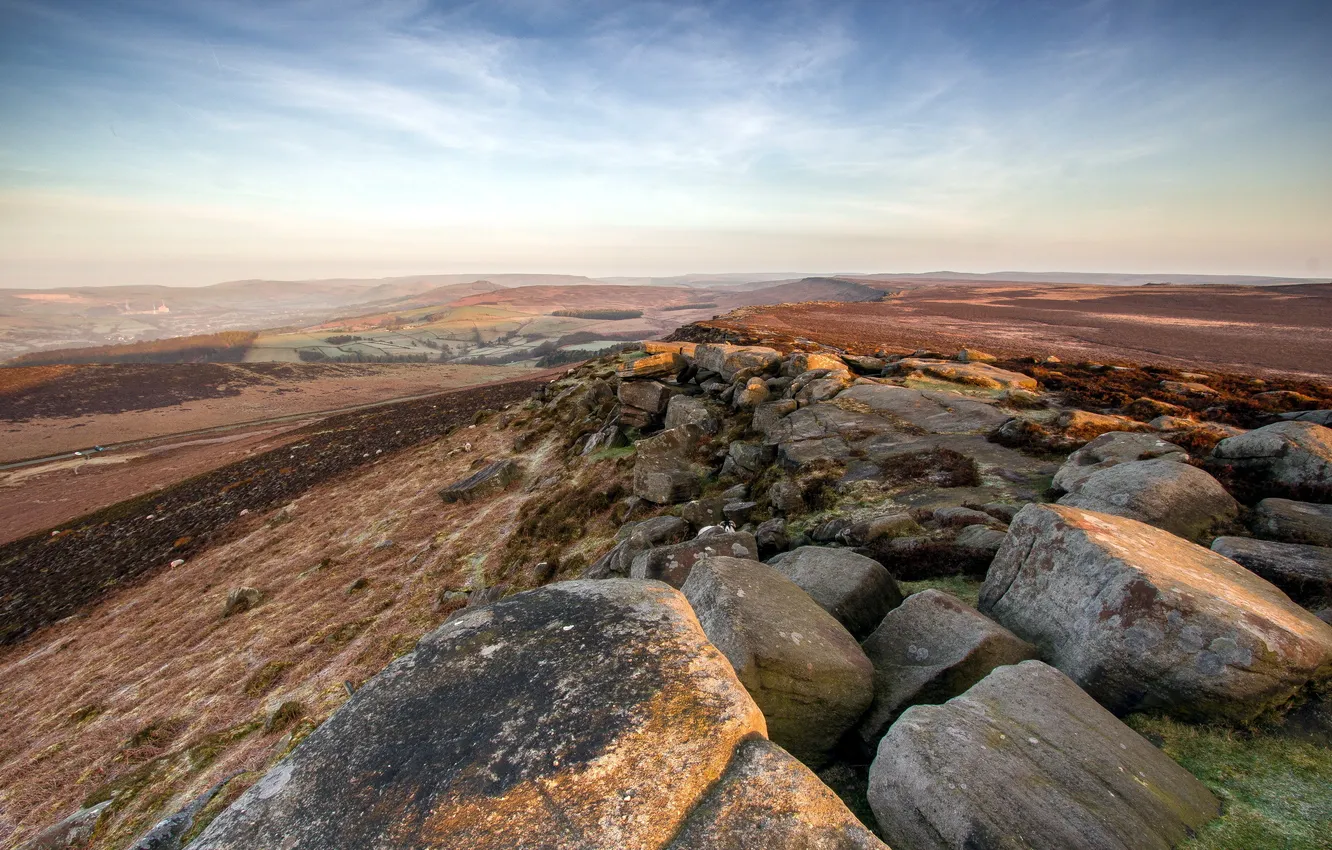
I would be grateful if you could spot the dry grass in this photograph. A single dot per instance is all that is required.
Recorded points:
(152, 693)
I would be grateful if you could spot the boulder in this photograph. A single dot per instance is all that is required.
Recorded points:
(609, 436)
(1319, 417)
(663, 473)
(1285, 458)
(806, 672)
(1303, 572)
(768, 799)
(1143, 619)
(959, 517)
(491, 478)
(1180, 498)
(1082, 426)
(661, 365)
(971, 355)
(1025, 760)
(856, 590)
(829, 450)
(703, 512)
(785, 496)
(979, 538)
(970, 374)
(240, 600)
(683, 348)
(885, 526)
(934, 412)
(650, 396)
(634, 538)
(865, 365)
(738, 512)
(1293, 522)
(929, 649)
(1188, 388)
(673, 564)
(766, 416)
(729, 360)
(582, 714)
(802, 362)
(822, 389)
(688, 410)
(771, 537)
(74, 831)
(747, 460)
(755, 392)
(1110, 449)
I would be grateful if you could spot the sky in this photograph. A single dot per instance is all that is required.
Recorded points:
(192, 141)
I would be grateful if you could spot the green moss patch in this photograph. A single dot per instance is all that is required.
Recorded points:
(1276, 791)
(966, 589)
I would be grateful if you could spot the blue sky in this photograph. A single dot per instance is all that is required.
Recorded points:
(190, 141)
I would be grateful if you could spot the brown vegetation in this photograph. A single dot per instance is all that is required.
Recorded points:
(222, 347)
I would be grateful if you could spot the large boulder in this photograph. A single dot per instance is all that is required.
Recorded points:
(1303, 572)
(1110, 449)
(491, 478)
(730, 360)
(1180, 498)
(768, 799)
(856, 590)
(663, 472)
(969, 373)
(1143, 619)
(1027, 761)
(806, 672)
(649, 396)
(1293, 522)
(672, 564)
(1286, 458)
(661, 365)
(582, 714)
(1320, 417)
(934, 412)
(929, 649)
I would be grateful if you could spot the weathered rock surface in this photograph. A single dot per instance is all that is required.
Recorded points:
(1293, 522)
(1284, 458)
(74, 831)
(1179, 498)
(1084, 426)
(754, 393)
(634, 538)
(1320, 417)
(688, 410)
(1143, 619)
(768, 799)
(1303, 572)
(1110, 449)
(661, 365)
(805, 671)
(491, 478)
(663, 472)
(579, 715)
(974, 374)
(167, 833)
(856, 590)
(935, 412)
(240, 600)
(747, 460)
(1027, 761)
(650, 396)
(929, 649)
(728, 360)
(672, 564)
(980, 539)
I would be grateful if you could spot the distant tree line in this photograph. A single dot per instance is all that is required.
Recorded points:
(342, 339)
(599, 314)
(314, 355)
(703, 305)
(222, 347)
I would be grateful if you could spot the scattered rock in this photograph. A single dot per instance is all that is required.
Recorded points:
(701, 513)
(491, 478)
(1001, 511)
(929, 649)
(609, 436)
(768, 799)
(806, 672)
(1303, 572)
(1027, 760)
(1110, 449)
(600, 701)
(1285, 458)
(167, 833)
(766, 416)
(240, 600)
(1293, 522)
(786, 497)
(1146, 620)
(673, 564)
(856, 590)
(1180, 498)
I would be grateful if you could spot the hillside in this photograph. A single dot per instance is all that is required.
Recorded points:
(497, 543)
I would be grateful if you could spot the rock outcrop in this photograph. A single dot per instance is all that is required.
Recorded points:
(930, 649)
(1293, 522)
(490, 478)
(1143, 619)
(1110, 449)
(672, 564)
(1286, 458)
(1174, 496)
(663, 471)
(805, 671)
(1025, 759)
(1303, 572)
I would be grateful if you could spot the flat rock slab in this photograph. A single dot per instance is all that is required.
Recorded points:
(768, 799)
(1174, 496)
(730, 360)
(1026, 761)
(1109, 450)
(805, 671)
(930, 649)
(672, 564)
(1303, 572)
(1143, 619)
(970, 373)
(856, 590)
(933, 412)
(580, 715)
(1293, 522)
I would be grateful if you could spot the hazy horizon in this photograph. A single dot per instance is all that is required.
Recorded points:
(198, 142)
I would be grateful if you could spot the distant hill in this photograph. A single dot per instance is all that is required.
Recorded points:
(1096, 278)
